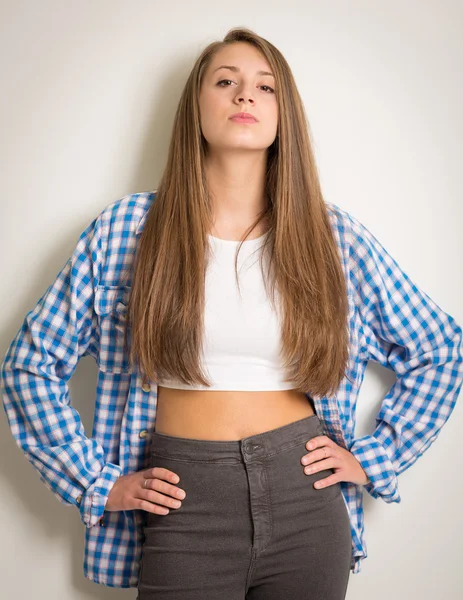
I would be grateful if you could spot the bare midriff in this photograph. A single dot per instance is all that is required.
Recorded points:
(227, 415)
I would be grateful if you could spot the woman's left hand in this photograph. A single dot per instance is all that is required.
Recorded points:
(324, 453)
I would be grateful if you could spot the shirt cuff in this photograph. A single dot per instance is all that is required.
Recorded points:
(378, 466)
(93, 501)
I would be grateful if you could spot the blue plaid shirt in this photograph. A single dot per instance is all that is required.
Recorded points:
(82, 313)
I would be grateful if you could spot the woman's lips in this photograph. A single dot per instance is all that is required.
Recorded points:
(243, 120)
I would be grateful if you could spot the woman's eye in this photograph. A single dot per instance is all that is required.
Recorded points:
(229, 80)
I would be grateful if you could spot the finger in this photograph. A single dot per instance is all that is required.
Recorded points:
(318, 454)
(166, 488)
(312, 443)
(150, 507)
(319, 465)
(327, 481)
(158, 498)
(162, 473)
(319, 440)
(307, 459)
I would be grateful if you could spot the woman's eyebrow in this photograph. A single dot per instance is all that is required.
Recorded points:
(236, 70)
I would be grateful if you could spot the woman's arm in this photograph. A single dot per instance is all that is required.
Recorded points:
(406, 331)
(35, 373)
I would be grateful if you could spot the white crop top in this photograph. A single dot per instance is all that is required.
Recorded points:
(242, 334)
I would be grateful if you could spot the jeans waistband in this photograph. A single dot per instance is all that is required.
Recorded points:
(261, 444)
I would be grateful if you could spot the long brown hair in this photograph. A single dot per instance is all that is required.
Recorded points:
(167, 301)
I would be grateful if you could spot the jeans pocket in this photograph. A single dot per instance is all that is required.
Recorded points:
(180, 468)
(326, 492)
(290, 484)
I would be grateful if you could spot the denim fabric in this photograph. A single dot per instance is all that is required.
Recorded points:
(252, 526)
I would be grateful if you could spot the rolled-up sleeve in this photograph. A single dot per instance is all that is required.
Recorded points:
(404, 330)
(35, 372)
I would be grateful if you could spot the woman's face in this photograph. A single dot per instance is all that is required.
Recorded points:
(225, 92)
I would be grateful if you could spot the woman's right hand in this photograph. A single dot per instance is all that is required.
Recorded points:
(129, 491)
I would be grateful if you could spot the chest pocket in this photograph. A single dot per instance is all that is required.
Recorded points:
(111, 307)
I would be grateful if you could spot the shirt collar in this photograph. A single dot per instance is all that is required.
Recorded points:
(141, 223)
(143, 219)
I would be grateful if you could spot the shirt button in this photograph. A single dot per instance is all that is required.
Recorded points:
(143, 433)
(79, 499)
(146, 387)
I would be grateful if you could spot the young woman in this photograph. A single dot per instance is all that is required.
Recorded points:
(232, 313)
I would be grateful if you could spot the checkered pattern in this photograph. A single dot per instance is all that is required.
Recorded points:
(83, 312)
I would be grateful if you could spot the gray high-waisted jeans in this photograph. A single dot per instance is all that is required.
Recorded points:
(252, 526)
